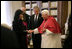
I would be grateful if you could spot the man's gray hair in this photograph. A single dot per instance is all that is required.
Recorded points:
(36, 7)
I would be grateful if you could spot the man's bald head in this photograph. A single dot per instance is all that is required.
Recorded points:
(23, 9)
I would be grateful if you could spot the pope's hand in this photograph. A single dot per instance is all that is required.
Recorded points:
(44, 30)
(27, 30)
(30, 31)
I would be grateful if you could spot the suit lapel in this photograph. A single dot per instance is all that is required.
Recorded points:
(39, 17)
(33, 18)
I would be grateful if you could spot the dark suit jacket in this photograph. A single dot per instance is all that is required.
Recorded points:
(32, 25)
(36, 37)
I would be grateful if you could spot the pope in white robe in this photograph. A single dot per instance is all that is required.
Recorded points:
(50, 32)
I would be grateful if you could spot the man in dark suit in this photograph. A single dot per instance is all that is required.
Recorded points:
(26, 16)
(35, 21)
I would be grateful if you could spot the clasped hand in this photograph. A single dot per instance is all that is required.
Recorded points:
(29, 31)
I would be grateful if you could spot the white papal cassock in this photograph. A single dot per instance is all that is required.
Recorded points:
(51, 38)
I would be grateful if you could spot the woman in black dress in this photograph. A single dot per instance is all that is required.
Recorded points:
(20, 27)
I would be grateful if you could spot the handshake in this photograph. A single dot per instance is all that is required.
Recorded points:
(30, 31)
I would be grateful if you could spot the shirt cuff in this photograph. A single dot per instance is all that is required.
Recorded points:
(36, 31)
(48, 32)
